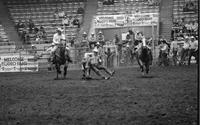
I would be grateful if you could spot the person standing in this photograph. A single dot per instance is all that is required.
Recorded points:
(164, 52)
(193, 48)
(84, 40)
(100, 38)
(92, 41)
(174, 51)
(184, 51)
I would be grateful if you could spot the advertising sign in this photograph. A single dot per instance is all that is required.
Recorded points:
(125, 20)
(18, 63)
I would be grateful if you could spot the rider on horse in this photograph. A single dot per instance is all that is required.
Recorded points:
(59, 41)
(141, 43)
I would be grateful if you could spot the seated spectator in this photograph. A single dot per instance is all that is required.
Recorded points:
(189, 6)
(42, 30)
(66, 21)
(108, 2)
(56, 14)
(61, 13)
(36, 30)
(150, 2)
(19, 25)
(76, 22)
(31, 25)
(195, 27)
(80, 10)
(71, 41)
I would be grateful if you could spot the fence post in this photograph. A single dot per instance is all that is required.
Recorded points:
(20, 61)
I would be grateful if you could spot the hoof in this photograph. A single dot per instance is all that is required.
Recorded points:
(56, 78)
(106, 78)
(143, 74)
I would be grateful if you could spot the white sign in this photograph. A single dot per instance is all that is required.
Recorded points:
(17, 63)
(125, 20)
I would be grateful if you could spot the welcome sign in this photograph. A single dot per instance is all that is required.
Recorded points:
(18, 63)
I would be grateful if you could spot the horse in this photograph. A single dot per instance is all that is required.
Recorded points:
(144, 59)
(61, 57)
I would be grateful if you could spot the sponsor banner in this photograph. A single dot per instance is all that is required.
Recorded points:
(125, 20)
(18, 63)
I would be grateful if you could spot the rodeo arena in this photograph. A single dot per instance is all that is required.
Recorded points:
(99, 62)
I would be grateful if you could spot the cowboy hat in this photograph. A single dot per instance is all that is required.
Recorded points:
(95, 50)
(100, 32)
(59, 29)
(84, 33)
(192, 37)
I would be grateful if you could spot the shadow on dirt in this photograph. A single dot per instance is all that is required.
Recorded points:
(147, 76)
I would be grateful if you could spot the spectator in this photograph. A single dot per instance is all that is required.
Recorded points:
(56, 14)
(184, 51)
(42, 30)
(195, 27)
(66, 21)
(84, 41)
(31, 25)
(193, 47)
(80, 10)
(116, 40)
(163, 53)
(61, 13)
(19, 25)
(174, 51)
(92, 41)
(108, 2)
(76, 22)
(100, 38)
(71, 41)
(109, 58)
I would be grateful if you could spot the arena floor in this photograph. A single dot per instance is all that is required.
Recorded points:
(168, 96)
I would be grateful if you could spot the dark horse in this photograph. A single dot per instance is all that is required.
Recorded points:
(144, 59)
(61, 57)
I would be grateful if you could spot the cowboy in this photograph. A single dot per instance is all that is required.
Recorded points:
(58, 40)
(92, 41)
(185, 49)
(84, 40)
(163, 52)
(193, 47)
(100, 38)
(96, 65)
(85, 65)
(174, 51)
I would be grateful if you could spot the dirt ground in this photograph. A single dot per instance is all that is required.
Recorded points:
(168, 96)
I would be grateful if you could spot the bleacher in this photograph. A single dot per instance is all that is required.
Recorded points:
(178, 13)
(3, 37)
(126, 6)
(42, 13)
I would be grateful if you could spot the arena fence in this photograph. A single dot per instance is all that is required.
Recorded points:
(32, 60)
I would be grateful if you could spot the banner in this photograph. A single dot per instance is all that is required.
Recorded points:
(18, 63)
(125, 20)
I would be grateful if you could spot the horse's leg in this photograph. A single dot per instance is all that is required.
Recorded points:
(147, 68)
(57, 70)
